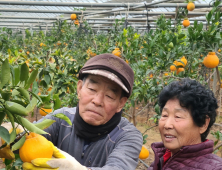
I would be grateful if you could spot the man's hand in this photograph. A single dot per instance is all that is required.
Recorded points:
(61, 161)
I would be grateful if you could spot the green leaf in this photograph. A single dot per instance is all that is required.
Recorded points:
(18, 144)
(15, 92)
(11, 118)
(35, 88)
(47, 79)
(2, 115)
(45, 98)
(5, 73)
(13, 135)
(63, 117)
(24, 93)
(24, 72)
(18, 162)
(31, 105)
(30, 126)
(12, 75)
(181, 36)
(133, 103)
(4, 134)
(208, 16)
(17, 75)
(45, 123)
(6, 95)
(20, 102)
(31, 78)
(57, 102)
(157, 109)
(9, 52)
(36, 96)
(16, 108)
(200, 27)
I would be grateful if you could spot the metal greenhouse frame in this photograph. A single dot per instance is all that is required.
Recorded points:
(100, 15)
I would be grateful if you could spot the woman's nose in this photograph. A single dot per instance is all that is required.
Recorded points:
(169, 123)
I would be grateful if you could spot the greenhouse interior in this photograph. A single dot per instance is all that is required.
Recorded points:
(61, 59)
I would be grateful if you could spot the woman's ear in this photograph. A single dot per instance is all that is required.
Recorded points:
(205, 126)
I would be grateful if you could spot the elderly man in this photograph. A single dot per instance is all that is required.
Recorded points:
(99, 138)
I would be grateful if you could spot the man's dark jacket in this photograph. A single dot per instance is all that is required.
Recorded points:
(119, 150)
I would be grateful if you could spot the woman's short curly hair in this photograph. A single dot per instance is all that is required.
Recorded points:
(194, 96)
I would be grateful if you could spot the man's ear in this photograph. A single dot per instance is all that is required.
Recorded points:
(79, 87)
(122, 102)
(205, 126)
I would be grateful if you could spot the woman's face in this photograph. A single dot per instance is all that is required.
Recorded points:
(177, 127)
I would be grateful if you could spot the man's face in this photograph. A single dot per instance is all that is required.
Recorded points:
(99, 99)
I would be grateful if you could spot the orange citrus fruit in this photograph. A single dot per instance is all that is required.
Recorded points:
(144, 153)
(49, 89)
(190, 6)
(73, 16)
(117, 52)
(186, 22)
(46, 110)
(211, 60)
(180, 70)
(35, 146)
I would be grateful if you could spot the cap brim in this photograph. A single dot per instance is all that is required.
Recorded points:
(108, 75)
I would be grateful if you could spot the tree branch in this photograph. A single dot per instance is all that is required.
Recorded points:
(217, 147)
(142, 109)
(148, 129)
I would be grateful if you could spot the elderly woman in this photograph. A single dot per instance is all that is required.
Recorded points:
(188, 110)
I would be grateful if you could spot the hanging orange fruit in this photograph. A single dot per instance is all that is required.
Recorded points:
(59, 43)
(117, 52)
(173, 68)
(73, 16)
(183, 63)
(76, 22)
(190, 6)
(180, 70)
(44, 111)
(186, 22)
(211, 60)
(144, 153)
(49, 89)
(35, 146)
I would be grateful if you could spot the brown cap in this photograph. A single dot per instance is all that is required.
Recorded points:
(112, 67)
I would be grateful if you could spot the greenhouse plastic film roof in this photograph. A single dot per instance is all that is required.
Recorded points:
(30, 13)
